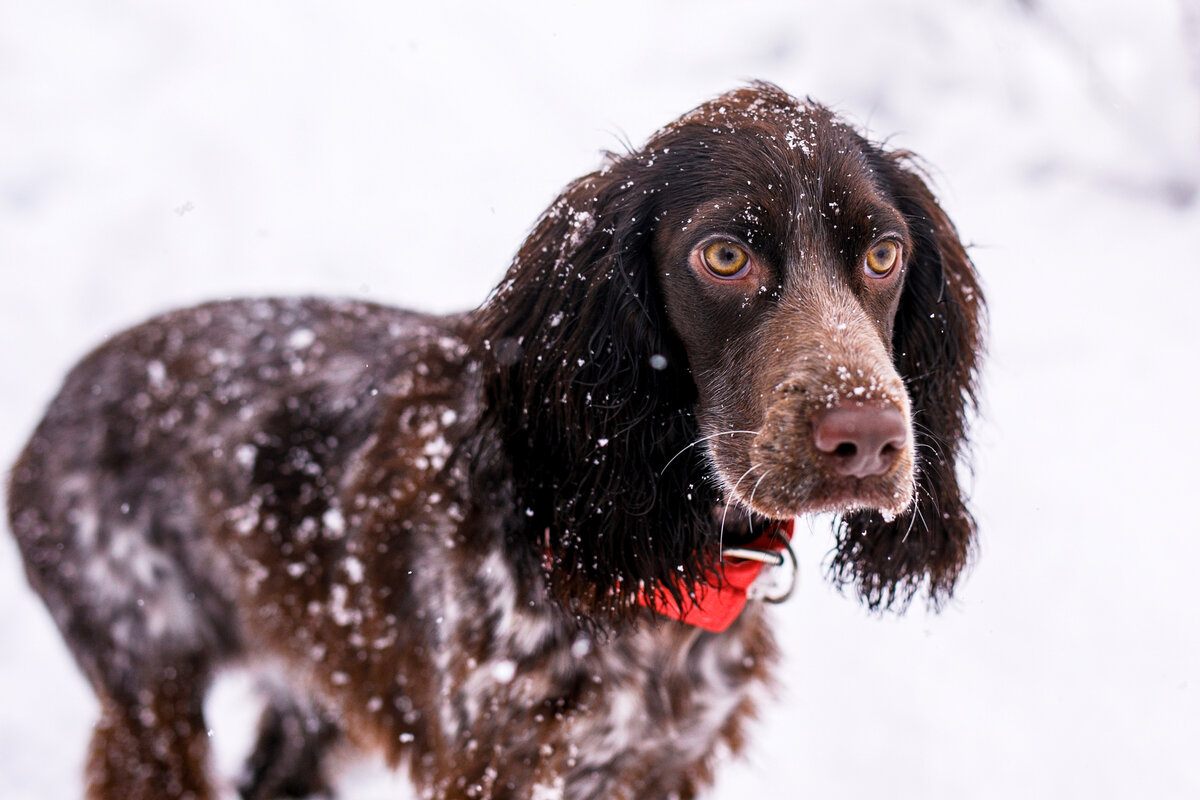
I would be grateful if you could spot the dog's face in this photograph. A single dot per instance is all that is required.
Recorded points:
(781, 259)
(758, 310)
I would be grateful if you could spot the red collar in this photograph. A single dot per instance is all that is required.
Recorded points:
(716, 604)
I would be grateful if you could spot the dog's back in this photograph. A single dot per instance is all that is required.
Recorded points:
(232, 420)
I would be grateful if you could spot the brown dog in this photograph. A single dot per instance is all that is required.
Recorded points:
(493, 545)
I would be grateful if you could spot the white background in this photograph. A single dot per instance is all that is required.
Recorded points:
(154, 154)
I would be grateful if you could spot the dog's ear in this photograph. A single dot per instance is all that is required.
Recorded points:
(592, 396)
(938, 344)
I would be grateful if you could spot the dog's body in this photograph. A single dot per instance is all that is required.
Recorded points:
(311, 428)
(447, 529)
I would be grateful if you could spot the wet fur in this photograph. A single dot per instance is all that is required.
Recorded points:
(440, 526)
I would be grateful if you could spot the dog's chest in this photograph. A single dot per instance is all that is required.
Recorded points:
(487, 660)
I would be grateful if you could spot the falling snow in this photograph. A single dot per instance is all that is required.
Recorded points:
(1087, 122)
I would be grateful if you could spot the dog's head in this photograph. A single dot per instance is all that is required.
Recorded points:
(760, 309)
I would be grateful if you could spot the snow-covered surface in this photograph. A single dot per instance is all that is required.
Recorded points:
(156, 154)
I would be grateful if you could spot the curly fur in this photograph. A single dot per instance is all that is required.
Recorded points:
(442, 531)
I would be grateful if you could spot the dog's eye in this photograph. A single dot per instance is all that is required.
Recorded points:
(725, 259)
(882, 258)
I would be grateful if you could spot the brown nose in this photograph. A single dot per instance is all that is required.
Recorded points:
(861, 440)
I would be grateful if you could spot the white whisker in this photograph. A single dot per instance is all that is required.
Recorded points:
(725, 511)
(912, 518)
(750, 502)
(698, 441)
(756, 483)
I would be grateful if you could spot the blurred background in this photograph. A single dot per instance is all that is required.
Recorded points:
(154, 154)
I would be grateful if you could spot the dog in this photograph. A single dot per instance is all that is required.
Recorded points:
(516, 549)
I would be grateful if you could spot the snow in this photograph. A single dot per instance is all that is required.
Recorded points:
(157, 155)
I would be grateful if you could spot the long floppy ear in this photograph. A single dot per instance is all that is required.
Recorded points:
(938, 344)
(591, 396)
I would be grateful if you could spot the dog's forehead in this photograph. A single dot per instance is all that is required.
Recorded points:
(785, 131)
(766, 152)
(782, 174)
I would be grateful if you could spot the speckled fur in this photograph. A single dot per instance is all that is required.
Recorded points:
(436, 544)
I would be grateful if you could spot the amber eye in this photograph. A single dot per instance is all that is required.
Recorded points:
(883, 258)
(725, 259)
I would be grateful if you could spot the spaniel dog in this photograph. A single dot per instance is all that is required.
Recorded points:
(515, 549)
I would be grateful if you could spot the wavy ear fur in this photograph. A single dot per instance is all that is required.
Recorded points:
(592, 397)
(938, 342)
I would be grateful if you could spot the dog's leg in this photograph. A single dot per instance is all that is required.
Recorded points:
(288, 759)
(151, 742)
(114, 562)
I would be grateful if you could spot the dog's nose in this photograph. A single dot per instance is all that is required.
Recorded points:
(861, 440)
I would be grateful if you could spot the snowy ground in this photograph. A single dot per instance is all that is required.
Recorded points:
(155, 154)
